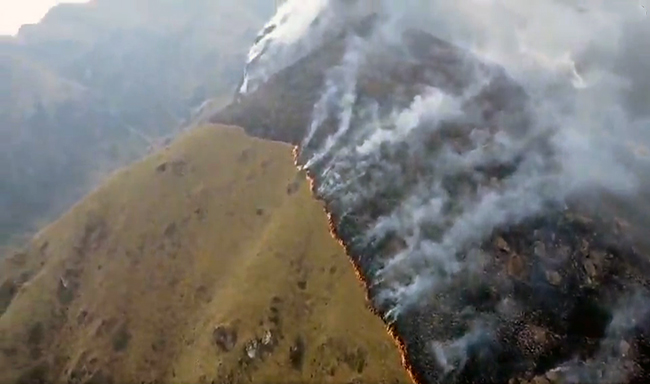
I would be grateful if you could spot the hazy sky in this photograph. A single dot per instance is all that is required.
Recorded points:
(14, 13)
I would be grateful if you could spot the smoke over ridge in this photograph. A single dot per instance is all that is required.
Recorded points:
(550, 107)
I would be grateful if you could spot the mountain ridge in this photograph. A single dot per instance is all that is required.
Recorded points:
(120, 290)
(479, 269)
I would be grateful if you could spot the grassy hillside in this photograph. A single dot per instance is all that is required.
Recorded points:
(206, 262)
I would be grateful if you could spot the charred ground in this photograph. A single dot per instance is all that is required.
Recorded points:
(548, 283)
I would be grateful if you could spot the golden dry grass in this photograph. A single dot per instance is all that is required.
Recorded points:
(218, 230)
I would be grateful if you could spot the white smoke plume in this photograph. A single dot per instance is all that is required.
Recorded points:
(584, 66)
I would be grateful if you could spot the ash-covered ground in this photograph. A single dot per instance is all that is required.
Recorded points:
(485, 165)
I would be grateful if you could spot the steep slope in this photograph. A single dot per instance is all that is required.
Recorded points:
(55, 138)
(94, 86)
(206, 262)
(493, 239)
(23, 84)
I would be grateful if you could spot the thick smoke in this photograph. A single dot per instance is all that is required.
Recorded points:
(581, 132)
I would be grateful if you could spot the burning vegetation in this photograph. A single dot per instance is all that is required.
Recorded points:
(450, 199)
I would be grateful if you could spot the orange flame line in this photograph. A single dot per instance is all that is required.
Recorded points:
(390, 328)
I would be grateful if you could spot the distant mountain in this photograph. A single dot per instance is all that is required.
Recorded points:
(93, 86)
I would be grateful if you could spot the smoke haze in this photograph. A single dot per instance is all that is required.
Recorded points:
(451, 166)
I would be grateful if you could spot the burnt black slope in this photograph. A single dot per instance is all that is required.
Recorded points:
(563, 271)
(282, 108)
